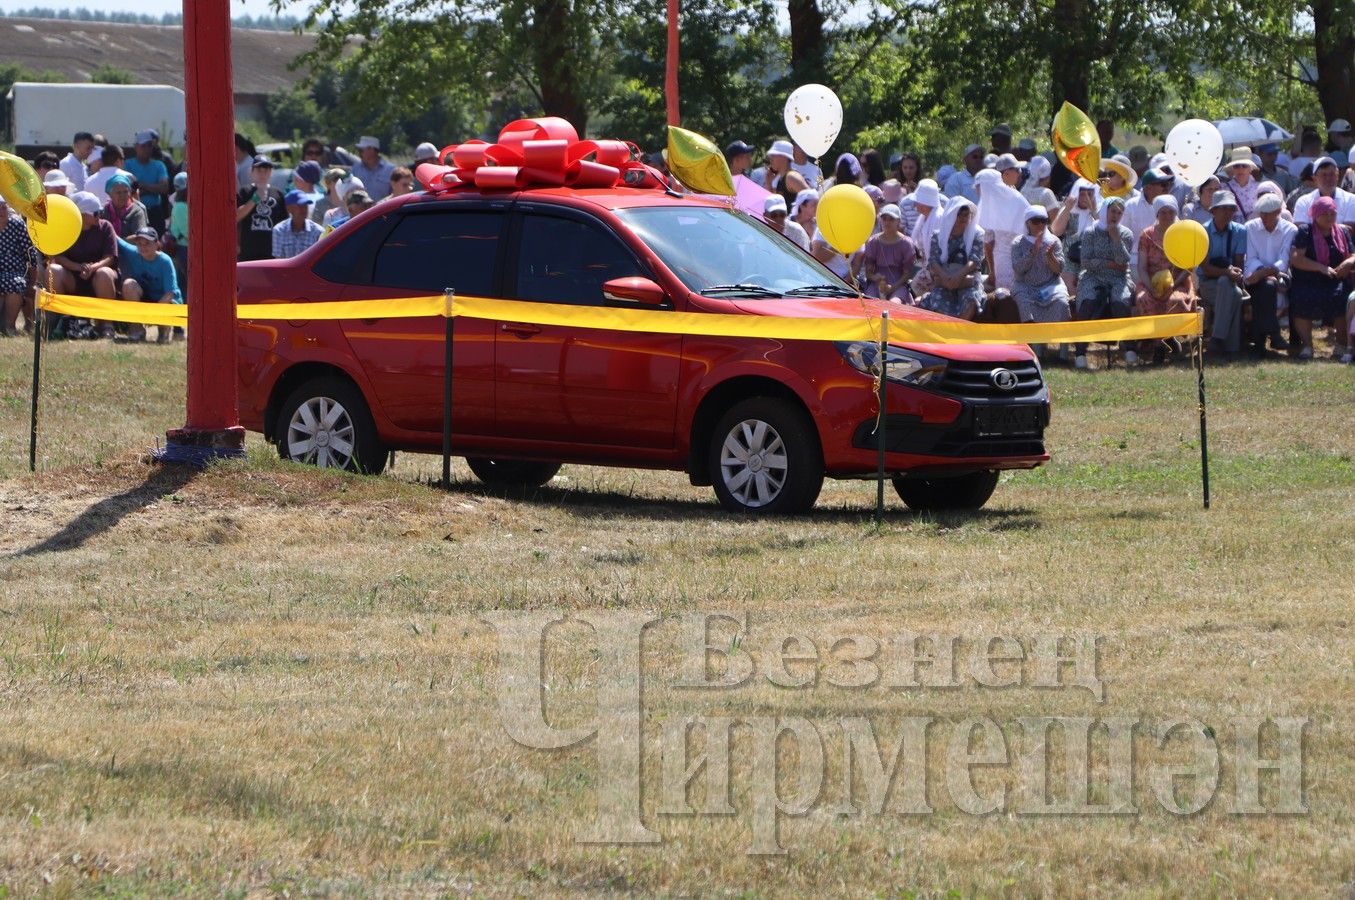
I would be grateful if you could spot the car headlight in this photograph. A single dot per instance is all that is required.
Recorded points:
(904, 366)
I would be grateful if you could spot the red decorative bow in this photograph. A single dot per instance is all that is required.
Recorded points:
(542, 152)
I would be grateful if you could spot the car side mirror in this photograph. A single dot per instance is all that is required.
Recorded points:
(634, 289)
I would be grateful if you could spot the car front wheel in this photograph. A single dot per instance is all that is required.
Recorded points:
(765, 458)
(959, 492)
(325, 422)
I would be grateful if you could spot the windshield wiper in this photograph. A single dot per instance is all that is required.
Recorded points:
(831, 290)
(756, 290)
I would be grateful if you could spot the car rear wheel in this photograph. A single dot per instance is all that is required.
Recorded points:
(325, 422)
(941, 494)
(512, 472)
(765, 458)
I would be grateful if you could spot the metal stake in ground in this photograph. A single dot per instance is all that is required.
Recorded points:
(37, 368)
(880, 425)
(447, 391)
(1204, 429)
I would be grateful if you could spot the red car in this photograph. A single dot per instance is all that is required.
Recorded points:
(762, 421)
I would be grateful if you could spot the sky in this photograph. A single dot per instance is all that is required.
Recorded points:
(149, 7)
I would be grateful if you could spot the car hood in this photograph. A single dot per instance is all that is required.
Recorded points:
(868, 307)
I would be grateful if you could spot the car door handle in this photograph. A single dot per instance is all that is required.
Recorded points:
(521, 329)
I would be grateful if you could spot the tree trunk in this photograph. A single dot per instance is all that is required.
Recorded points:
(806, 41)
(561, 92)
(1334, 52)
(1070, 61)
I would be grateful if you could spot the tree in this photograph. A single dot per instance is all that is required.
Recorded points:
(1334, 54)
(107, 74)
(546, 54)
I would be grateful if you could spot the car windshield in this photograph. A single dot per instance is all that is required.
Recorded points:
(720, 251)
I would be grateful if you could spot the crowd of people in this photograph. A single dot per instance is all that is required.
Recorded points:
(1010, 235)
(133, 243)
(1007, 235)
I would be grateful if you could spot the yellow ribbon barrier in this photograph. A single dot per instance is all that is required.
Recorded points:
(901, 330)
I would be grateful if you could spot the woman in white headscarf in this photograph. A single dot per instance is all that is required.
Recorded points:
(1105, 284)
(1076, 215)
(1037, 260)
(927, 204)
(956, 262)
(1037, 189)
(1002, 212)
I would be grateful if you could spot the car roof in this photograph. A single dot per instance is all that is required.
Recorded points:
(605, 198)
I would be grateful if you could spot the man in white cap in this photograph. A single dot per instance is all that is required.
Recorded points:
(775, 215)
(56, 182)
(1266, 269)
(778, 176)
(961, 184)
(424, 153)
(1340, 136)
(88, 268)
(374, 171)
(1325, 176)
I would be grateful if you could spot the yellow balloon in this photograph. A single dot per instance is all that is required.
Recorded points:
(698, 163)
(846, 217)
(55, 236)
(22, 188)
(1076, 142)
(1186, 243)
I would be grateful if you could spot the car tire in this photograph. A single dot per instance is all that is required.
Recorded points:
(512, 472)
(326, 422)
(765, 459)
(959, 492)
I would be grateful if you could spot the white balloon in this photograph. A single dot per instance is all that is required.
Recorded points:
(1194, 148)
(813, 118)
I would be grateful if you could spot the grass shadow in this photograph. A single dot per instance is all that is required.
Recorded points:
(588, 503)
(107, 513)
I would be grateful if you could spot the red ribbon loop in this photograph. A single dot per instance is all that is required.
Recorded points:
(544, 152)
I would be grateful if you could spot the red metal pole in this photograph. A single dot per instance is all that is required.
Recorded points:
(212, 427)
(670, 82)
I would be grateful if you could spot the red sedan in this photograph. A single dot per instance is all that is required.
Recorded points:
(762, 421)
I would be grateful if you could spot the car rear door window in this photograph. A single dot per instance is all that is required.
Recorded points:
(564, 260)
(438, 250)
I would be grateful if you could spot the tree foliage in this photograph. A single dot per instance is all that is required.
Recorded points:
(926, 74)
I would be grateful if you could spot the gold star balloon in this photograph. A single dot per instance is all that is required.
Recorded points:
(698, 163)
(1076, 142)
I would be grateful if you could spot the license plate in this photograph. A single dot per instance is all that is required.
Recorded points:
(1002, 421)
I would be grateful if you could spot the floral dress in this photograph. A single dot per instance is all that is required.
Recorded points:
(1154, 259)
(953, 302)
(17, 256)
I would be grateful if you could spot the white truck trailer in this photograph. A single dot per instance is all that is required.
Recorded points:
(47, 116)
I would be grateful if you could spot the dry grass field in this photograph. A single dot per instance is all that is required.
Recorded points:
(266, 680)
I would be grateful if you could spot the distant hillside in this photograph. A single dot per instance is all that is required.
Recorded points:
(268, 23)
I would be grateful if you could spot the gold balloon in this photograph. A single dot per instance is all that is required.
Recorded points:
(1076, 142)
(698, 163)
(55, 236)
(22, 188)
